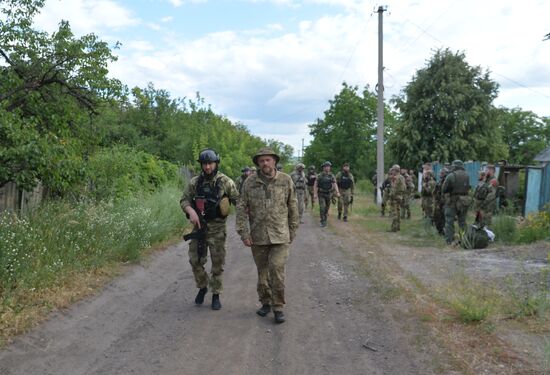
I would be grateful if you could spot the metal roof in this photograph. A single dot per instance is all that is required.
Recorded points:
(544, 155)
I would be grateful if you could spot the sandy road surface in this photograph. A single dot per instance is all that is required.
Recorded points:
(145, 322)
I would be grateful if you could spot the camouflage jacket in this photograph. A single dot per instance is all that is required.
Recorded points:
(398, 187)
(428, 186)
(227, 188)
(239, 183)
(299, 179)
(267, 213)
(339, 180)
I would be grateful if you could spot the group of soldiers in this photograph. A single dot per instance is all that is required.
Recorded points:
(443, 201)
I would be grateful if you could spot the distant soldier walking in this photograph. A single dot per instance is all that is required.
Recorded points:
(439, 203)
(311, 177)
(299, 178)
(457, 186)
(428, 186)
(267, 220)
(385, 191)
(324, 187)
(485, 197)
(396, 195)
(346, 186)
(246, 171)
(206, 204)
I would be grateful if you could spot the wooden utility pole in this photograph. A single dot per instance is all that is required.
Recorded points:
(380, 117)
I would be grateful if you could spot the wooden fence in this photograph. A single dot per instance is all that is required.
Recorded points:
(14, 199)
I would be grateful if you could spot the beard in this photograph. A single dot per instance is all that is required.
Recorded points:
(267, 170)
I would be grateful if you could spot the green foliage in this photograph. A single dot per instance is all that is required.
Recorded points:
(525, 133)
(121, 172)
(505, 229)
(447, 113)
(61, 238)
(347, 133)
(535, 227)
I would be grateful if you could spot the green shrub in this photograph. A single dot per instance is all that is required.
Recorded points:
(121, 172)
(535, 227)
(505, 229)
(61, 237)
(470, 307)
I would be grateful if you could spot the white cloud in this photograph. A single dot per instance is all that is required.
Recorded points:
(85, 16)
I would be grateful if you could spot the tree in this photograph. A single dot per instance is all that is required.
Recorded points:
(51, 85)
(525, 133)
(347, 133)
(446, 113)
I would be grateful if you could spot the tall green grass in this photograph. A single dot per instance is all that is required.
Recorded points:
(61, 237)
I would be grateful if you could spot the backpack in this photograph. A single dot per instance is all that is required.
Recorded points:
(474, 238)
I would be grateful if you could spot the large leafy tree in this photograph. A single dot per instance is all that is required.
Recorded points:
(446, 113)
(525, 133)
(347, 132)
(51, 86)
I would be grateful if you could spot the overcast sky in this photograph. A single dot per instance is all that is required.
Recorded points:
(274, 64)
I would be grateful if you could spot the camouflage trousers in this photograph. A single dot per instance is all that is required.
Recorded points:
(215, 241)
(310, 196)
(485, 212)
(324, 205)
(406, 207)
(395, 208)
(302, 199)
(438, 218)
(271, 264)
(344, 201)
(452, 211)
(384, 204)
(427, 206)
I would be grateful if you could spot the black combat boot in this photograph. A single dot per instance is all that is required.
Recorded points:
(216, 304)
(199, 299)
(339, 215)
(264, 310)
(345, 218)
(279, 317)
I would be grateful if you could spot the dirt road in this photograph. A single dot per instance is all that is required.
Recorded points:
(145, 322)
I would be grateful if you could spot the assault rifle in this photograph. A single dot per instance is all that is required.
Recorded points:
(199, 234)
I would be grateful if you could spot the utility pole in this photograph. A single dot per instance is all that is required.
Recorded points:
(380, 120)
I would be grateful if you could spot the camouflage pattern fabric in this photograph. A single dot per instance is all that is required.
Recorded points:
(271, 264)
(428, 186)
(345, 194)
(299, 179)
(396, 194)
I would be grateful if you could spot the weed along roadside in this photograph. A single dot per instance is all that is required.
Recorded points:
(64, 252)
(490, 308)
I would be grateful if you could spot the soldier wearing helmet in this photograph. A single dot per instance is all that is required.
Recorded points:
(311, 177)
(206, 203)
(246, 171)
(300, 183)
(267, 220)
(396, 195)
(346, 186)
(325, 186)
(428, 186)
(457, 186)
(439, 203)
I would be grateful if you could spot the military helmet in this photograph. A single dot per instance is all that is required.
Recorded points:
(265, 151)
(208, 155)
(396, 166)
(444, 171)
(458, 163)
(300, 165)
(245, 169)
(326, 163)
(311, 167)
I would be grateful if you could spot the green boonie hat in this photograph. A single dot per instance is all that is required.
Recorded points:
(265, 151)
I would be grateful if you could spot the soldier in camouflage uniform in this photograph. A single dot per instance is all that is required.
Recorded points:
(346, 186)
(439, 203)
(311, 177)
(396, 195)
(246, 171)
(325, 185)
(385, 191)
(209, 195)
(457, 186)
(485, 197)
(409, 192)
(299, 179)
(267, 220)
(428, 186)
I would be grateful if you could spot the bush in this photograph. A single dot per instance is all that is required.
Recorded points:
(121, 172)
(535, 227)
(505, 229)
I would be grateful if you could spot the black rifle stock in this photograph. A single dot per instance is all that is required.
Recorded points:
(200, 236)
